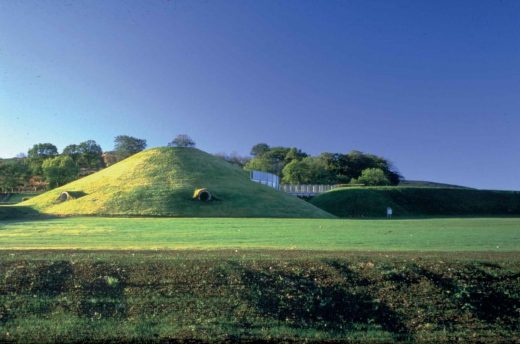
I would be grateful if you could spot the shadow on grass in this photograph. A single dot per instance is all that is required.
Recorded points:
(302, 300)
(94, 292)
(480, 292)
(102, 292)
(16, 212)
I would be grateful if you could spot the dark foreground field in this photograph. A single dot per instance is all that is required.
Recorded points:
(48, 296)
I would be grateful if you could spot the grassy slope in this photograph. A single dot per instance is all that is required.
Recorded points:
(83, 297)
(409, 201)
(161, 181)
(427, 184)
(492, 234)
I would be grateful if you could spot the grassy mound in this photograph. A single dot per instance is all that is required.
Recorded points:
(161, 182)
(427, 184)
(284, 296)
(409, 202)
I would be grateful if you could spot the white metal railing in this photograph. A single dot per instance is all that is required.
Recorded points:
(265, 178)
(305, 189)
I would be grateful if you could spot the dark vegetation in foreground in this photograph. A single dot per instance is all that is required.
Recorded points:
(418, 201)
(269, 296)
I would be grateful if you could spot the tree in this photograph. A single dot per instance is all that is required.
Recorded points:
(296, 172)
(373, 177)
(13, 174)
(38, 153)
(273, 159)
(90, 154)
(72, 151)
(309, 170)
(345, 167)
(87, 154)
(43, 150)
(259, 149)
(125, 146)
(182, 140)
(60, 170)
(294, 154)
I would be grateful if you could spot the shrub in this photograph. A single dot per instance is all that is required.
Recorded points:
(373, 177)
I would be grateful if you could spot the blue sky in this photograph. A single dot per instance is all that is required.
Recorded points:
(434, 86)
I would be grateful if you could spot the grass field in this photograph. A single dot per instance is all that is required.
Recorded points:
(93, 233)
(85, 279)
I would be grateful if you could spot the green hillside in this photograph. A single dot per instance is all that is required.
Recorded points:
(161, 182)
(427, 184)
(409, 202)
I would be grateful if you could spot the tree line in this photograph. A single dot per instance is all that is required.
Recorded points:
(44, 166)
(297, 167)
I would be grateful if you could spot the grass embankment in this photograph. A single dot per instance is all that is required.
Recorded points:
(413, 202)
(161, 182)
(268, 296)
(473, 234)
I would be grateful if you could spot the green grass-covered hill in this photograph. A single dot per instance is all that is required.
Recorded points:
(428, 184)
(422, 201)
(161, 182)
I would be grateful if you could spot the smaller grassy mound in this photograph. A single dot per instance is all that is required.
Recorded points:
(427, 184)
(410, 202)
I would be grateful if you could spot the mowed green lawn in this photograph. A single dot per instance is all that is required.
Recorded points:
(98, 233)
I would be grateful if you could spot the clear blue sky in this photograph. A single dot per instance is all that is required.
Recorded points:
(434, 86)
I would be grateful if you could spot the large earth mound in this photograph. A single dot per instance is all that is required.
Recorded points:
(162, 182)
(422, 201)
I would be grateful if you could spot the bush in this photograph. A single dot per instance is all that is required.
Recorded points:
(373, 177)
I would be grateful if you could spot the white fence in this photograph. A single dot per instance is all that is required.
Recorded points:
(305, 190)
(265, 178)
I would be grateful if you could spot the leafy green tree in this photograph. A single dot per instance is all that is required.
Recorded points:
(258, 164)
(309, 170)
(296, 172)
(43, 150)
(91, 155)
(125, 146)
(336, 165)
(182, 140)
(72, 151)
(272, 161)
(296, 167)
(87, 154)
(259, 149)
(373, 177)
(345, 167)
(14, 173)
(60, 170)
(294, 154)
(38, 153)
